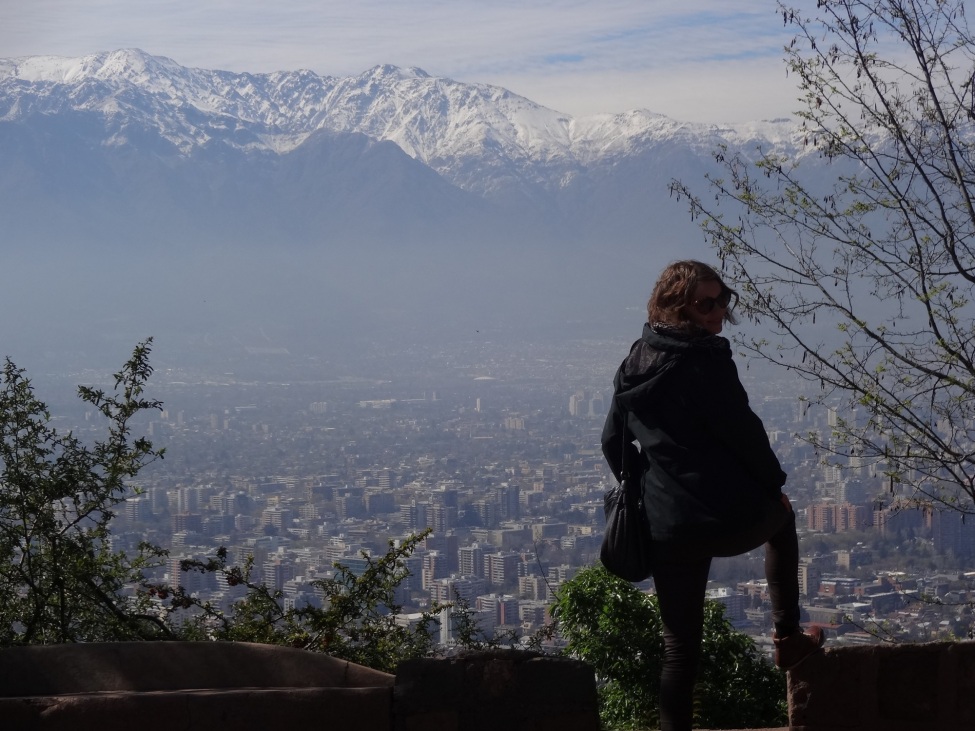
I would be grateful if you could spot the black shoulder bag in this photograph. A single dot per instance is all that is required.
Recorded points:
(626, 547)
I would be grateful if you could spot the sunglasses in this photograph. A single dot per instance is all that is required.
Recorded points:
(706, 305)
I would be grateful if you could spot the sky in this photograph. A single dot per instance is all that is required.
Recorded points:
(717, 61)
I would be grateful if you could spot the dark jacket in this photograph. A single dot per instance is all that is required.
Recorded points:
(708, 469)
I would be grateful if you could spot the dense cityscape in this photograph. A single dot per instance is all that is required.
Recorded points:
(496, 449)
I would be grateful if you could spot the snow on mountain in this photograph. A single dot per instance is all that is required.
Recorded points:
(480, 137)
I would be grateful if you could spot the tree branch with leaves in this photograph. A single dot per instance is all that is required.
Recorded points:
(59, 577)
(857, 252)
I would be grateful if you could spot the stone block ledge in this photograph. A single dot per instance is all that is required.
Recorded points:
(903, 687)
(245, 709)
(491, 690)
(206, 685)
(200, 686)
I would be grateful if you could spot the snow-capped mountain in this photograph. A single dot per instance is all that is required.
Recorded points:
(452, 190)
(477, 136)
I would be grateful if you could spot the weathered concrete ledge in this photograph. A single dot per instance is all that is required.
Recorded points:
(167, 666)
(190, 685)
(503, 689)
(204, 685)
(885, 688)
(207, 685)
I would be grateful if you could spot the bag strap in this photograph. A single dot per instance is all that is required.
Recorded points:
(627, 439)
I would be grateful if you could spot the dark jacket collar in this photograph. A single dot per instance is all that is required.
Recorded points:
(659, 349)
(670, 339)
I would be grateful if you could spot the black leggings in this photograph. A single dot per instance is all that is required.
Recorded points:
(680, 589)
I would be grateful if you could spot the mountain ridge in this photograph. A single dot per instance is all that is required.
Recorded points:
(443, 123)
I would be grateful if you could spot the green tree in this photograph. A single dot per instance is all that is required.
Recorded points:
(357, 619)
(617, 629)
(59, 578)
(882, 253)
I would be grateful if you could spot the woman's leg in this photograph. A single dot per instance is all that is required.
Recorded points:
(782, 573)
(680, 589)
(792, 644)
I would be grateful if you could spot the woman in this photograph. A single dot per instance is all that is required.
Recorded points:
(712, 485)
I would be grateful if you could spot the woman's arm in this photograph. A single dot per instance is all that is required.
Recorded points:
(728, 417)
(616, 437)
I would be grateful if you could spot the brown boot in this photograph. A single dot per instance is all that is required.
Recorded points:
(793, 649)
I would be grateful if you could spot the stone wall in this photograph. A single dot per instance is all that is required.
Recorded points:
(210, 685)
(255, 687)
(885, 688)
(187, 685)
(488, 691)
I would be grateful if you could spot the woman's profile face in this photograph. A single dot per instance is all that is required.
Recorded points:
(705, 308)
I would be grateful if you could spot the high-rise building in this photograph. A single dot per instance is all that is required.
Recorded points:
(276, 572)
(597, 407)
(449, 620)
(441, 518)
(446, 496)
(852, 517)
(821, 517)
(533, 587)
(192, 581)
(446, 544)
(561, 574)
(471, 560)
(734, 602)
(831, 517)
(892, 518)
(435, 566)
(455, 588)
(414, 515)
(277, 516)
(809, 575)
(503, 608)
(508, 501)
(187, 500)
(854, 490)
(578, 404)
(487, 512)
(501, 569)
(138, 509)
(187, 523)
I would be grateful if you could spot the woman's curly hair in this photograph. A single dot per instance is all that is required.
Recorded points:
(675, 290)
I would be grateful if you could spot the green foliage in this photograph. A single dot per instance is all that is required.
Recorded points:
(59, 579)
(736, 687)
(617, 629)
(884, 252)
(356, 620)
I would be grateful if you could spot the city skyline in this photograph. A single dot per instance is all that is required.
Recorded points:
(515, 470)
